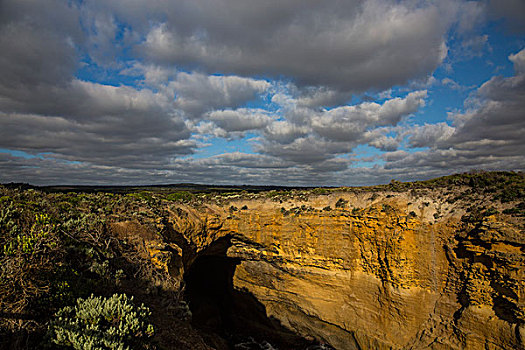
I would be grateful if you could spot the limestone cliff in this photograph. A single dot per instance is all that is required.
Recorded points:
(370, 270)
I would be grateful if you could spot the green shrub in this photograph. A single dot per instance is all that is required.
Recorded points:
(516, 211)
(341, 203)
(490, 211)
(320, 191)
(142, 195)
(386, 208)
(102, 323)
(25, 242)
(275, 193)
(182, 196)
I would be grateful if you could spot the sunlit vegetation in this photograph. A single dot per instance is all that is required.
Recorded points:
(57, 248)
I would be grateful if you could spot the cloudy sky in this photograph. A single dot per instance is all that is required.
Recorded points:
(295, 92)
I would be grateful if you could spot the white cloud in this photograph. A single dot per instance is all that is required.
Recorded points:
(487, 136)
(284, 132)
(429, 135)
(519, 61)
(348, 123)
(451, 83)
(384, 143)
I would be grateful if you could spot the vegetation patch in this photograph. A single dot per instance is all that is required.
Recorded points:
(182, 196)
(102, 323)
(58, 248)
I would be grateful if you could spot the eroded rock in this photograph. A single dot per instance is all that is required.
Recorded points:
(387, 273)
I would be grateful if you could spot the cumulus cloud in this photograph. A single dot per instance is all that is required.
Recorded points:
(125, 92)
(284, 132)
(383, 142)
(37, 50)
(305, 150)
(519, 61)
(350, 46)
(429, 135)
(313, 97)
(349, 122)
(489, 136)
(197, 93)
(500, 117)
(310, 136)
(114, 141)
(232, 124)
(44, 108)
(242, 119)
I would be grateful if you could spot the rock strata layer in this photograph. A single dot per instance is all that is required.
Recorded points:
(369, 271)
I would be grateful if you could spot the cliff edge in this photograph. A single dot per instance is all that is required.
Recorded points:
(434, 265)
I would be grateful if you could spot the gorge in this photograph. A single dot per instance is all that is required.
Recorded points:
(381, 270)
(435, 265)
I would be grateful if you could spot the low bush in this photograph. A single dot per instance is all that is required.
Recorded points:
(182, 196)
(341, 203)
(102, 323)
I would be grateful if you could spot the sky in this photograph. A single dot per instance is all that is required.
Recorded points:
(296, 92)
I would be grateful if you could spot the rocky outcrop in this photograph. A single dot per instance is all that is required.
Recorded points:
(360, 270)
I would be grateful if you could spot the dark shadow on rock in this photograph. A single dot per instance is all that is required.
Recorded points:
(236, 316)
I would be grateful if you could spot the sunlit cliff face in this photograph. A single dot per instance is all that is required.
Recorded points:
(358, 270)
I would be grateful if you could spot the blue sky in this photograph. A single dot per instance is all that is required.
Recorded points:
(250, 92)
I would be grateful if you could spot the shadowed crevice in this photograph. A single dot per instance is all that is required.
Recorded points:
(222, 311)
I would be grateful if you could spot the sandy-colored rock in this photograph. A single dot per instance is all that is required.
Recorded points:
(399, 272)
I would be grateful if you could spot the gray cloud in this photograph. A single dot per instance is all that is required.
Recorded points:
(198, 93)
(305, 150)
(489, 136)
(429, 135)
(44, 109)
(323, 53)
(113, 141)
(349, 122)
(241, 119)
(37, 41)
(223, 169)
(313, 97)
(511, 10)
(499, 119)
(351, 45)
(309, 136)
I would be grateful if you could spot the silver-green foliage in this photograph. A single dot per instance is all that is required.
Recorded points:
(98, 323)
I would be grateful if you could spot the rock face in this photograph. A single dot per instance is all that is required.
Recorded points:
(360, 270)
